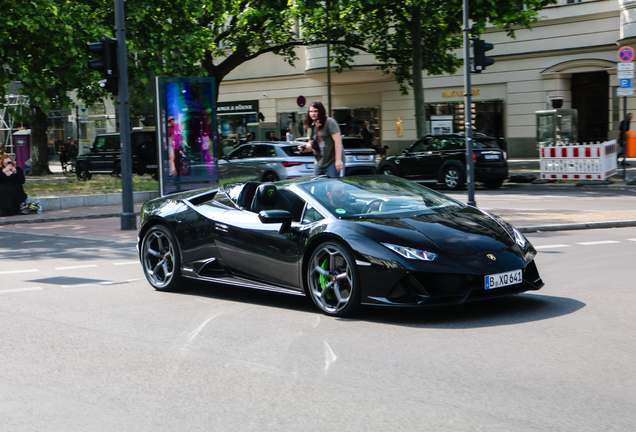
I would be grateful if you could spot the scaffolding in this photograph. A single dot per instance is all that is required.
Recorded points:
(7, 121)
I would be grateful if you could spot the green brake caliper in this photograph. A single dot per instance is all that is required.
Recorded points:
(324, 281)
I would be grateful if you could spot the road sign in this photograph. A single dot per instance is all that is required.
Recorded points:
(625, 83)
(625, 66)
(626, 54)
(628, 74)
(624, 92)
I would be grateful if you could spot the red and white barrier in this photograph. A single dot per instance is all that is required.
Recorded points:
(579, 162)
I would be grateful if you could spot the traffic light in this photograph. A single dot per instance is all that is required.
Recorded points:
(480, 61)
(107, 63)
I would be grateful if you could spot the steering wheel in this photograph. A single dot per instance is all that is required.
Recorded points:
(368, 205)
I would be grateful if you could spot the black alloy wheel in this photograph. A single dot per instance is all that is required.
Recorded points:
(82, 172)
(160, 259)
(332, 281)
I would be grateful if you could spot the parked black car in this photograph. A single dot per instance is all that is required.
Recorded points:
(442, 158)
(105, 155)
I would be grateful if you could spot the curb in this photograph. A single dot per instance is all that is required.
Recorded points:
(579, 226)
(72, 201)
(62, 218)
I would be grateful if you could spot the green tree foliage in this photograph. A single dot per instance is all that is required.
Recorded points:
(42, 47)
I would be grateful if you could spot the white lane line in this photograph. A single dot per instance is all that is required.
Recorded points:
(126, 263)
(19, 271)
(79, 285)
(601, 242)
(631, 240)
(76, 267)
(62, 253)
(32, 241)
(14, 256)
(554, 246)
(114, 249)
(20, 290)
(135, 280)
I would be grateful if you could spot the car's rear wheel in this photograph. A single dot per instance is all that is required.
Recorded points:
(82, 172)
(160, 259)
(270, 177)
(453, 178)
(387, 170)
(332, 281)
(493, 184)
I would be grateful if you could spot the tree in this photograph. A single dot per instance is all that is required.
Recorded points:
(415, 35)
(42, 47)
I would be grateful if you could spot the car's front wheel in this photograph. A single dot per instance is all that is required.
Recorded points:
(453, 178)
(332, 281)
(160, 259)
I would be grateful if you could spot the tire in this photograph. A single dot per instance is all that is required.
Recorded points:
(453, 178)
(270, 177)
(332, 280)
(160, 259)
(116, 170)
(82, 172)
(493, 184)
(387, 170)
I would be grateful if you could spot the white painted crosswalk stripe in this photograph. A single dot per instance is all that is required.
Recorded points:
(601, 242)
(555, 246)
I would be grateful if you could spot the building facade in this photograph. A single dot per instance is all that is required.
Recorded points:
(571, 53)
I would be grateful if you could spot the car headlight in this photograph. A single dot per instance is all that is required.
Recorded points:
(410, 253)
(519, 238)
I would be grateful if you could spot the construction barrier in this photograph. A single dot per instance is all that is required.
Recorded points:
(631, 143)
(579, 162)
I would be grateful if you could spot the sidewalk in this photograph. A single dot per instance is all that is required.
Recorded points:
(528, 222)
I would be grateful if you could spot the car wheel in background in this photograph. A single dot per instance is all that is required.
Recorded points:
(332, 281)
(387, 170)
(82, 172)
(493, 184)
(160, 259)
(270, 177)
(453, 178)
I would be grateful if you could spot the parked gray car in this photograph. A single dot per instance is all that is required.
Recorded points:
(359, 155)
(266, 162)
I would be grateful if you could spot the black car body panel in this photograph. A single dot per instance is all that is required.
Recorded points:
(104, 156)
(221, 238)
(430, 157)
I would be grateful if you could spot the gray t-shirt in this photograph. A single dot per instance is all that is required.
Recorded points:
(326, 144)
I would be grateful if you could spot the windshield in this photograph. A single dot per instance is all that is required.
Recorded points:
(378, 197)
(293, 151)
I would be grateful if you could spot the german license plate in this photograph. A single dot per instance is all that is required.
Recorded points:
(491, 156)
(364, 158)
(503, 279)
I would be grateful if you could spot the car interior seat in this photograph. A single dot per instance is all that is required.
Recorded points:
(268, 197)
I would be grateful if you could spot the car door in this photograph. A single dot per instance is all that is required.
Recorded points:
(235, 164)
(258, 251)
(409, 159)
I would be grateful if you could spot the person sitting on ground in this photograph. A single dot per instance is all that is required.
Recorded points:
(12, 193)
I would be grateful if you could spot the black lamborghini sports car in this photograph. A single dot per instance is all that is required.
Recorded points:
(370, 240)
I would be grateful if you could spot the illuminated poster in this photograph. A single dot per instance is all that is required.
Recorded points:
(186, 132)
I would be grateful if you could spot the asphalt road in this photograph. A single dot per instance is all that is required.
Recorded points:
(88, 345)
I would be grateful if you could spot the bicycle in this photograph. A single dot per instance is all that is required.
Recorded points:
(68, 168)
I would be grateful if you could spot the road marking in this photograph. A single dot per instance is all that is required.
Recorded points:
(14, 256)
(32, 241)
(631, 239)
(78, 285)
(551, 246)
(19, 271)
(602, 242)
(20, 290)
(76, 267)
(126, 263)
(62, 253)
(135, 280)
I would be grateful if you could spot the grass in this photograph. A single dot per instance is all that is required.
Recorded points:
(100, 184)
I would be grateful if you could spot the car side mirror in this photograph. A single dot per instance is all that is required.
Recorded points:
(277, 216)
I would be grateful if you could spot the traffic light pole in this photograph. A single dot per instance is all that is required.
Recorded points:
(468, 113)
(128, 218)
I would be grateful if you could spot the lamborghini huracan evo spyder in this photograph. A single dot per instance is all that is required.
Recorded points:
(370, 240)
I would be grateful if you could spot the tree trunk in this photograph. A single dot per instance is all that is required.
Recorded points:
(39, 142)
(418, 89)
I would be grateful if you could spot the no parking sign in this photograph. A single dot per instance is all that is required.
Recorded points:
(625, 54)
